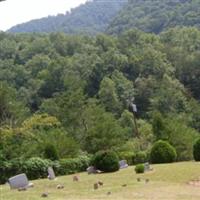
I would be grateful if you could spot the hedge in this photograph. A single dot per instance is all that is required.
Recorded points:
(37, 167)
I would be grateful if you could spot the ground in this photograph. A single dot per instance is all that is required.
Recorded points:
(167, 181)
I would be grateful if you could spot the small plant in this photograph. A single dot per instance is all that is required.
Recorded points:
(196, 150)
(163, 152)
(139, 168)
(106, 161)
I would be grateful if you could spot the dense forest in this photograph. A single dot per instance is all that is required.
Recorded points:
(116, 16)
(75, 89)
(64, 96)
(89, 18)
(156, 16)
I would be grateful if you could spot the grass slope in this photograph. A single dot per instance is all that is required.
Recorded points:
(167, 181)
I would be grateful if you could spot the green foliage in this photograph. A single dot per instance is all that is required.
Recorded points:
(50, 152)
(140, 157)
(153, 16)
(106, 161)
(70, 166)
(139, 168)
(128, 156)
(36, 168)
(196, 150)
(162, 152)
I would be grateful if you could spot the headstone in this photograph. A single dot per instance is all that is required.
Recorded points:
(96, 186)
(19, 182)
(51, 174)
(100, 183)
(91, 170)
(147, 167)
(45, 194)
(147, 180)
(60, 187)
(138, 179)
(75, 179)
(123, 164)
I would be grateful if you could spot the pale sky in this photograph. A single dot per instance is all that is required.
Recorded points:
(13, 12)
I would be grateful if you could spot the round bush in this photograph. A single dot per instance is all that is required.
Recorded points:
(139, 168)
(162, 152)
(36, 168)
(140, 157)
(50, 152)
(106, 161)
(196, 150)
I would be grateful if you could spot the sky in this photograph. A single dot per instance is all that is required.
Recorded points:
(13, 12)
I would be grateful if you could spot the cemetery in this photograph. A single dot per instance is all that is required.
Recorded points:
(164, 181)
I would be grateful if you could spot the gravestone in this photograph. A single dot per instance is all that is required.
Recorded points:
(147, 167)
(75, 178)
(19, 182)
(51, 174)
(123, 164)
(96, 186)
(91, 170)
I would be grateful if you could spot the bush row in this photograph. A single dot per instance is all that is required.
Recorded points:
(132, 158)
(37, 168)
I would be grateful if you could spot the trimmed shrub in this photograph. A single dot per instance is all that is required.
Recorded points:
(163, 152)
(128, 156)
(72, 165)
(106, 161)
(36, 168)
(196, 150)
(50, 152)
(139, 168)
(141, 157)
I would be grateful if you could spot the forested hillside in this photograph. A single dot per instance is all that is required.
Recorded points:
(71, 93)
(156, 16)
(89, 18)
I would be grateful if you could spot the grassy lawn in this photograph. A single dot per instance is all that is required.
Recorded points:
(167, 181)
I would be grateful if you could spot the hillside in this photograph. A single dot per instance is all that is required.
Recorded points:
(163, 184)
(156, 16)
(90, 18)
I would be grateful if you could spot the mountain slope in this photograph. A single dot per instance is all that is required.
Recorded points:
(156, 16)
(90, 18)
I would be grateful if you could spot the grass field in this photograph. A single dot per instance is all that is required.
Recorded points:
(167, 181)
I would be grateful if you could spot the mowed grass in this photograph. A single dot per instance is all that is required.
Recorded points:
(167, 181)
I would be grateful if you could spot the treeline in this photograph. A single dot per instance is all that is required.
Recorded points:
(89, 18)
(68, 94)
(156, 16)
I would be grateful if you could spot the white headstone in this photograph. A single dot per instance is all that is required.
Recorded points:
(123, 164)
(19, 181)
(51, 174)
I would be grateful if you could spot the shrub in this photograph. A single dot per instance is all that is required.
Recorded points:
(162, 152)
(72, 165)
(36, 168)
(139, 168)
(106, 161)
(128, 156)
(141, 157)
(196, 150)
(50, 152)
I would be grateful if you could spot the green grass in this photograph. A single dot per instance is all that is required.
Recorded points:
(167, 181)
